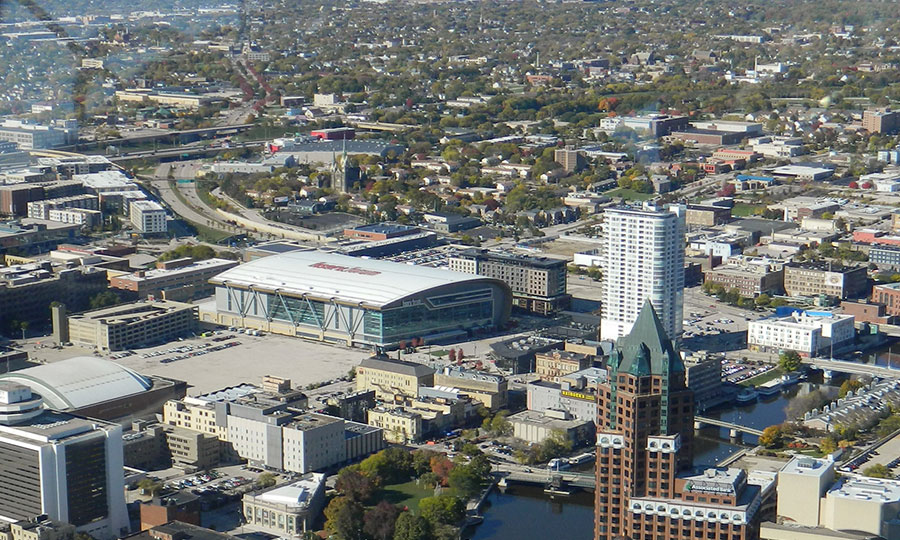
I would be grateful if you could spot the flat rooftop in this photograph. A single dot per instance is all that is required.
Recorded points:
(307, 421)
(511, 258)
(807, 466)
(196, 266)
(539, 419)
(182, 531)
(51, 426)
(866, 489)
(297, 493)
(133, 312)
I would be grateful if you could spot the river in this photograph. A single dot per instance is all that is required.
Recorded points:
(525, 513)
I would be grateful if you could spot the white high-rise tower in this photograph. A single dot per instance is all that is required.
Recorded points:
(643, 259)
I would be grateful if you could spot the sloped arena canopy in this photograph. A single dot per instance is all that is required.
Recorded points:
(79, 382)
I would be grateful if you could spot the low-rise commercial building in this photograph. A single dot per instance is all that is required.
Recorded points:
(834, 280)
(868, 312)
(576, 394)
(535, 427)
(808, 333)
(778, 147)
(885, 256)
(179, 530)
(179, 279)
(703, 375)
(538, 283)
(551, 365)
(392, 379)
(352, 406)
(751, 277)
(31, 136)
(288, 511)
(181, 506)
(888, 295)
(164, 97)
(706, 215)
(133, 325)
(400, 425)
(37, 528)
(380, 231)
(489, 389)
(27, 290)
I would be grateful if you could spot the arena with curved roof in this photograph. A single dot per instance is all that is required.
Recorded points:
(96, 387)
(331, 297)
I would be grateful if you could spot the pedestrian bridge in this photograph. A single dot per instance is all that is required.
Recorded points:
(846, 366)
(735, 429)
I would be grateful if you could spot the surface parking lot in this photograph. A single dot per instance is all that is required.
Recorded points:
(227, 359)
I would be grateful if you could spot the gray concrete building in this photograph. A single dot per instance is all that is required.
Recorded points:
(136, 324)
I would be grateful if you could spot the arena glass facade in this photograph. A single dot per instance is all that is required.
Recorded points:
(455, 308)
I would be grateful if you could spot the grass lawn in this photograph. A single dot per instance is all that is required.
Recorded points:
(760, 379)
(745, 210)
(407, 494)
(439, 353)
(630, 194)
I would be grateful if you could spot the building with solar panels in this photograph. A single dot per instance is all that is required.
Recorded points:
(341, 299)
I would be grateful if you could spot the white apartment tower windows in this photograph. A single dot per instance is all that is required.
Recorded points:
(642, 258)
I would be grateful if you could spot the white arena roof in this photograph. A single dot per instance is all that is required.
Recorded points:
(79, 382)
(344, 278)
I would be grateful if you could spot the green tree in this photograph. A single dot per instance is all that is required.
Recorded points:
(848, 385)
(412, 527)
(344, 518)
(390, 466)
(789, 361)
(265, 480)
(500, 426)
(888, 425)
(556, 445)
(104, 299)
(421, 460)
(828, 445)
(879, 470)
(442, 508)
(763, 300)
(772, 437)
(149, 487)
